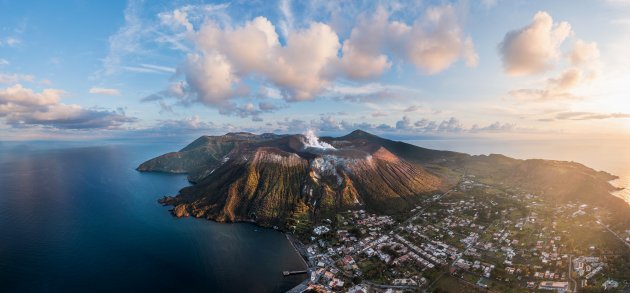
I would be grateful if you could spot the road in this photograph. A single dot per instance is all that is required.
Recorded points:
(419, 212)
(382, 286)
(613, 232)
(570, 277)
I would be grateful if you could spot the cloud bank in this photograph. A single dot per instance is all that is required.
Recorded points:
(304, 63)
(23, 107)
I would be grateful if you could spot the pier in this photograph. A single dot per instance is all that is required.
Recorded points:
(289, 273)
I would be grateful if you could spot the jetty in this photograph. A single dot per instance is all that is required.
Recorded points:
(289, 273)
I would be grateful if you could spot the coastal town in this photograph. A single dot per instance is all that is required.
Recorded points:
(473, 238)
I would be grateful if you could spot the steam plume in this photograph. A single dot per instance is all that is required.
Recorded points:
(311, 140)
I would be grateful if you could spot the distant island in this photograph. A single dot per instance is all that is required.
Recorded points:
(360, 203)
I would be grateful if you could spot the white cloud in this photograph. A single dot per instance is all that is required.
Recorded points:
(436, 42)
(405, 123)
(404, 126)
(186, 15)
(494, 127)
(212, 78)
(23, 107)
(104, 91)
(10, 41)
(286, 24)
(590, 116)
(370, 92)
(432, 43)
(15, 78)
(534, 48)
(3, 62)
(299, 68)
(310, 58)
(149, 68)
(127, 40)
(362, 57)
(583, 53)
(18, 96)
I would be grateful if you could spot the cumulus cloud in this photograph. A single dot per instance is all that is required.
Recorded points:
(104, 91)
(405, 123)
(432, 43)
(310, 57)
(23, 107)
(20, 98)
(583, 53)
(555, 88)
(436, 42)
(534, 48)
(363, 53)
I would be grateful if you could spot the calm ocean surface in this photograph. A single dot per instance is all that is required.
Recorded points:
(79, 218)
(612, 156)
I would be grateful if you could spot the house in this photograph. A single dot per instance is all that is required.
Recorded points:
(560, 287)
(405, 282)
(610, 284)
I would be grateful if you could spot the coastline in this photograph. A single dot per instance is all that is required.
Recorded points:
(621, 192)
(299, 247)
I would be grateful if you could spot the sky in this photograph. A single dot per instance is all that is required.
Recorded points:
(85, 69)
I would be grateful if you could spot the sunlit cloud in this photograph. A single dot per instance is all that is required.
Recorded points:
(535, 47)
(23, 107)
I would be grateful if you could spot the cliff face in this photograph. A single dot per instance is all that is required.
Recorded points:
(260, 185)
(268, 179)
